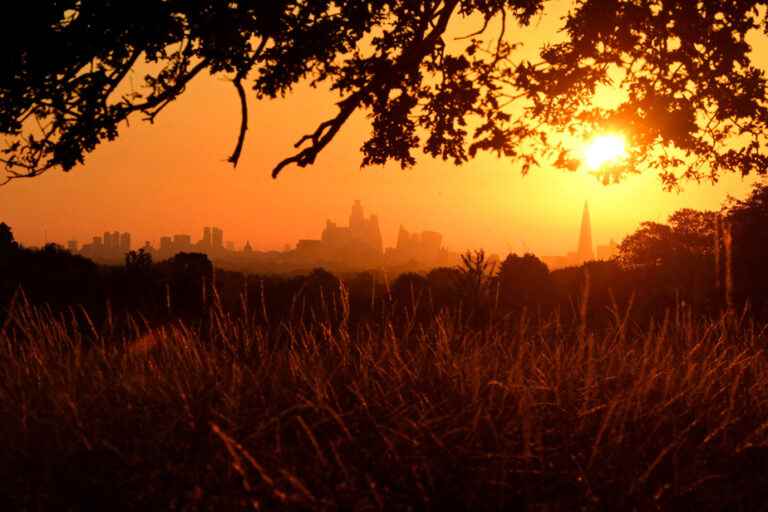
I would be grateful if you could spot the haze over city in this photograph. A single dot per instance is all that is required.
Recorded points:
(172, 176)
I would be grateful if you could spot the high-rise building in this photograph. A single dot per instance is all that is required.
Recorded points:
(166, 244)
(182, 242)
(217, 238)
(206, 241)
(357, 217)
(125, 242)
(585, 251)
(72, 246)
(424, 247)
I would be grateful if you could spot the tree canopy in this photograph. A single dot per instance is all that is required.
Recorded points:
(693, 104)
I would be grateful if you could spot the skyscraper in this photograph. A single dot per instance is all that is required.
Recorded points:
(206, 241)
(217, 238)
(182, 243)
(357, 217)
(125, 242)
(585, 252)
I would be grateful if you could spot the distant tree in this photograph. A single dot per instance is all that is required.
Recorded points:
(694, 231)
(444, 284)
(365, 291)
(750, 214)
(524, 281)
(409, 290)
(675, 261)
(7, 242)
(694, 103)
(138, 262)
(475, 284)
(689, 235)
(322, 281)
(140, 289)
(650, 246)
(320, 294)
(189, 281)
(747, 219)
(50, 275)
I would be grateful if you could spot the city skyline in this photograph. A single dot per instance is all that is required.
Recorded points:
(133, 181)
(357, 244)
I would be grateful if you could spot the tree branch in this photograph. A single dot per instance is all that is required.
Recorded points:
(242, 73)
(410, 57)
(235, 157)
(324, 133)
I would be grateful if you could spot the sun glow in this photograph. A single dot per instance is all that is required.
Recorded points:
(605, 149)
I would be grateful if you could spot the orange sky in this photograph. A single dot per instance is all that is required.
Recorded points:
(172, 177)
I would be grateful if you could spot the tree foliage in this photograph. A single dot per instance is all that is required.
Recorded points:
(7, 242)
(689, 235)
(747, 218)
(524, 281)
(694, 104)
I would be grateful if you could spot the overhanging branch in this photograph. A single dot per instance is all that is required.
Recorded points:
(242, 73)
(410, 58)
(235, 156)
(320, 138)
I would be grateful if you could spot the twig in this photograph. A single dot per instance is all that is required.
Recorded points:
(242, 73)
(235, 157)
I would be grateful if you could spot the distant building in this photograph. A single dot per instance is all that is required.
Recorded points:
(217, 238)
(125, 242)
(584, 248)
(182, 243)
(357, 245)
(170, 246)
(72, 246)
(424, 247)
(109, 248)
(607, 252)
(310, 249)
(206, 241)
(585, 252)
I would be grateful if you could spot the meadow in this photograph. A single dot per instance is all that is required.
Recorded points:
(521, 413)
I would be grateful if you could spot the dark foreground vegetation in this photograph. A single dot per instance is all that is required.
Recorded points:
(635, 384)
(516, 415)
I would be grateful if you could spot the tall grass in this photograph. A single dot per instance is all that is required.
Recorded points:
(323, 416)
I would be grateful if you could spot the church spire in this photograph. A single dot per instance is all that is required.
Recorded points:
(584, 251)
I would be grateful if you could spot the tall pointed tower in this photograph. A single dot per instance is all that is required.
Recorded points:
(357, 218)
(584, 251)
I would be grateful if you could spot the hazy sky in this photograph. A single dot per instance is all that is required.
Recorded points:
(172, 177)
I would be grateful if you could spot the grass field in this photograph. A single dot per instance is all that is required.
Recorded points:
(517, 415)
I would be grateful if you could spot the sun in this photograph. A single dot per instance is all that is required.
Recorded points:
(605, 149)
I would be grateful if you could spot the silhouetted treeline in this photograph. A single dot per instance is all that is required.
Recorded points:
(704, 261)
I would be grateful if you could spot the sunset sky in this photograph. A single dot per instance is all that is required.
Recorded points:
(172, 177)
